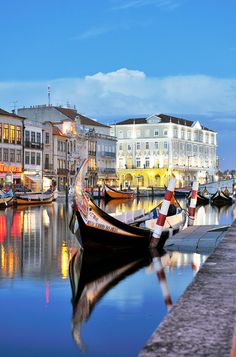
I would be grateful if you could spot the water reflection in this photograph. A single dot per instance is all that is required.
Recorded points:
(205, 215)
(92, 275)
(35, 241)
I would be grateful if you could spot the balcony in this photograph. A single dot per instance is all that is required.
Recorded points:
(92, 153)
(62, 172)
(29, 145)
(107, 153)
(107, 171)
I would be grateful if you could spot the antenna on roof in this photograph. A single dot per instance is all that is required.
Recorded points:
(49, 95)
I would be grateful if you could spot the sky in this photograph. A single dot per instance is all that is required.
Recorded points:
(116, 59)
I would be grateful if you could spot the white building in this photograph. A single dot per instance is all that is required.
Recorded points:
(154, 147)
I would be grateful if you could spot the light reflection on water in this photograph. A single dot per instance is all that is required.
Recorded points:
(120, 308)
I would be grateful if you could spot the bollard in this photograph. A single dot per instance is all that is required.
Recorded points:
(162, 214)
(193, 203)
(158, 268)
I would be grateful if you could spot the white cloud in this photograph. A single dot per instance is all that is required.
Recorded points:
(162, 4)
(93, 33)
(128, 92)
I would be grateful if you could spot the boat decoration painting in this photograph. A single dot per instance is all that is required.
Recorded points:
(6, 198)
(99, 227)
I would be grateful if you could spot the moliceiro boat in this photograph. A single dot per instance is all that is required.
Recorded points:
(6, 198)
(111, 193)
(96, 225)
(220, 198)
(34, 198)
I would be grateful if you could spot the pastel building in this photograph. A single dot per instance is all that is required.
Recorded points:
(150, 150)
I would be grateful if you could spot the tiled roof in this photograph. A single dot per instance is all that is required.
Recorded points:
(72, 113)
(5, 113)
(87, 121)
(57, 131)
(68, 112)
(164, 119)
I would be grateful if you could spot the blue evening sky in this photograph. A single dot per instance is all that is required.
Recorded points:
(124, 58)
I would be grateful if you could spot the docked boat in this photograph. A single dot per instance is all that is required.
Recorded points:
(34, 198)
(181, 192)
(98, 226)
(92, 275)
(6, 199)
(220, 198)
(111, 193)
(201, 200)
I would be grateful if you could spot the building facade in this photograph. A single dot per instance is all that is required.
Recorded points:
(150, 150)
(11, 147)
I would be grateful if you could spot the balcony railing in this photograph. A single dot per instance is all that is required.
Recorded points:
(107, 153)
(62, 172)
(107, 171)
(29, 145)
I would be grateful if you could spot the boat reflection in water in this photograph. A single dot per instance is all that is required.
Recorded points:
(93, 274)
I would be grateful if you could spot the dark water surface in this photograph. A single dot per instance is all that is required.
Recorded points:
(114, 303)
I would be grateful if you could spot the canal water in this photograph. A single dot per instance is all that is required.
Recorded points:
(101, 305)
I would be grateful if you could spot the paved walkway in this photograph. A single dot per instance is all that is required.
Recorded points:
(198, 239)
(203, 320)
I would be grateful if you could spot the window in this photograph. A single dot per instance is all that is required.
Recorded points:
(165, 145)
(39, 138)
(212, 139)
(182, 134)
(27, 136)
(12, 135)
(129, 147)
(18, 135)
(138, 163)
(6, 133)
(33, 137)
(5, 155)
(147, 162)
(156, 145)
(0, 132)
(33, 158)
(38, 158)
(156, 132)
(189, 135)
(120, 134)
(12, 155)
(27, 157)
(46, 138)
(138, 146)
(175, 133)
(128, 133)
(46, 165)
(147, 145)
(120, 147)
(138, 133)
(165, 132)
(18, 155)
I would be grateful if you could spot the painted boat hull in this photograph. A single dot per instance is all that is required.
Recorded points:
(220, 199)
(35, 199)
(111, 193)
(95, 225)
(6, 201)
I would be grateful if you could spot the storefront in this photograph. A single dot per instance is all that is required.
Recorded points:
(10, 175)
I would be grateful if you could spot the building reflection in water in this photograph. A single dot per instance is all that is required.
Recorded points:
(35, 241)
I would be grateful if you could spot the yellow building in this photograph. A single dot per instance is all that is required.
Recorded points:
(150, 150)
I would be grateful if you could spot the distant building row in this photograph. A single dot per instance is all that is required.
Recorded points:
(42, 144)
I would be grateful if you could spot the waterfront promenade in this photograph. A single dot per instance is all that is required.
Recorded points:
(203, 321)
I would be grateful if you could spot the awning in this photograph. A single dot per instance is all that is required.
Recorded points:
(34, 178)
(16, 175)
